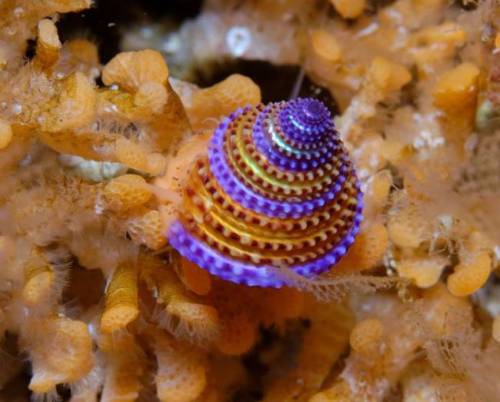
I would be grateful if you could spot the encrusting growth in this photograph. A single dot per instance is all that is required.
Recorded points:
(164, 241)
(126, 192)
(125, 367)
(181, 374)
(48, 45)
(222, 99)
(40, 278)
(60, 353)
(121, 306)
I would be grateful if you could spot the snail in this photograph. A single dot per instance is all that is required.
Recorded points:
(276, 192)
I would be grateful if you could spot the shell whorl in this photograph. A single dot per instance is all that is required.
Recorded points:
(277, 190)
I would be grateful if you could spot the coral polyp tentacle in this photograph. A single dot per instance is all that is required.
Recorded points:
(276, 190)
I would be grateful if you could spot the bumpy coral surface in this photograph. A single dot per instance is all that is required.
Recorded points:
(136, 208)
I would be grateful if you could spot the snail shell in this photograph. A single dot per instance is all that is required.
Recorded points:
(277, 190)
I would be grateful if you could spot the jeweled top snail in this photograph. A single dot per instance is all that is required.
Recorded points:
(277, 190)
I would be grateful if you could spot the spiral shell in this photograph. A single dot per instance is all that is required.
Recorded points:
(277, 190)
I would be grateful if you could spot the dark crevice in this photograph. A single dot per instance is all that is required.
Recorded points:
(468, 5)
(30, 49)
(105, 21)
(376, 5)
(276, 82)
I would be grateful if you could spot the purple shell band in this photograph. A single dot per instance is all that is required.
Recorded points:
(311, 159)
(294, 136)
(233, 270)
(250, 199)
(305, 120)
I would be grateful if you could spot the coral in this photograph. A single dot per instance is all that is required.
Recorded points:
(349, 9)
(383, 78)
(406, 226)
(48, 45)
(238, 334)
(424, 270)
(121, 306)
(367, 250)
(5, 134)
(184, 315)
(148, 229)
(61, 353)
(126, 192)
(325, 46)
(131, 70)
(124, 369)
(108, 171)
(456, 90)
(474, 268)
(181, 371)
(196, 279)
(222, 99)
(325, 340)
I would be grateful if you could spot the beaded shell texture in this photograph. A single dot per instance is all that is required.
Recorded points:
(276, 192)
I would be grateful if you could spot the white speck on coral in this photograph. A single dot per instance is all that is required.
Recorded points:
(26, 161)
(446, 221)
(394, 15)
(114, 87)
(10, 31)
(94, 72)
(428, 137)
(374, 26)
(147, 32)
(496, 254)
(92, 331)
(60, 75)
(374, 160)
(389, 261)
(70, 160)
(172, 44)
(364, 174)
(98, 208)
(18, 12)
(471, 142)
(17, 108)
(108, 281)
(400, 41)
(238, 40)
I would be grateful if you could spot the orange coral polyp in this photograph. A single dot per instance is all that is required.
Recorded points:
(121, 306)
(93, 177)
(196, 279)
